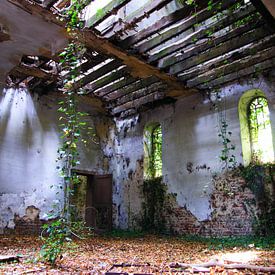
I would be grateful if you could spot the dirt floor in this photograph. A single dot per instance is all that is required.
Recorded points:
(140, 255)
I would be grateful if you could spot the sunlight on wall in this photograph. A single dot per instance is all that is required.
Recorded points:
(28, 143)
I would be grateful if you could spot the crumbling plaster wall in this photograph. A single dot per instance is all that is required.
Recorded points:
(29, 139)
(190, 140)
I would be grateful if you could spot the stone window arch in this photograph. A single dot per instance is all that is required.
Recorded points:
(255, 126)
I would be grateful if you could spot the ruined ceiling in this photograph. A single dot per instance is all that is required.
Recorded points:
(143, 53)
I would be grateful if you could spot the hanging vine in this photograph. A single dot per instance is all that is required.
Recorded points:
(72, 125)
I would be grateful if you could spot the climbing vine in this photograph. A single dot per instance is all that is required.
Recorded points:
(72, 124)
(260, 180)
(154, 191)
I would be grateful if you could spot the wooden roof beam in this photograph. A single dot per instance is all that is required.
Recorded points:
(232, 67)
(137, 67)
(139, 84)
(161, 24)
(221, 49)
(254, 69)
(111, 8)
(135, 17)
(202, 32)
(230, 57)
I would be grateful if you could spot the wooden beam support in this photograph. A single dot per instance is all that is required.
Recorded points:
(228, 58)
(111, 8)
(255, 69)
(137, 94)
(221, 49)
(30, 71)
(206, 45)
(138, 68)
(112, 65)
(163, 23)
(106, 79)
(232, 67)
(202, 32)
(113, 86)
(114, 96)
(137, 16)
(137, 103)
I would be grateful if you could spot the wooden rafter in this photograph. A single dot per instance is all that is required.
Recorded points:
(111, 8)
(221, 49)
(161, 24)
(201, 33)
(237, 75)
(120, 27)
(136, 66)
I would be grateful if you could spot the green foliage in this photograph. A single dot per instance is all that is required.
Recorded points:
(154, 191)
(227, 156)
(60, 231)
(55, 240)
(258, 177)
(232, 242)
(124, 234)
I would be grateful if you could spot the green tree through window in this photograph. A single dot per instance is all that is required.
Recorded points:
(152, 151)
(157, 151)
(260, 130)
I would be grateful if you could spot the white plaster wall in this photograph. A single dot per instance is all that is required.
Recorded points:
(29, 139)
(190, 135)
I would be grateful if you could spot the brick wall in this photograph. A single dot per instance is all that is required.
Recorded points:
(233, 208)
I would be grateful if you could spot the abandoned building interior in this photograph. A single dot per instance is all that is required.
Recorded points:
(179, 98)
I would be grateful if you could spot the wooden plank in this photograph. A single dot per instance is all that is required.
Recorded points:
(96, 60)
(111, 8)
(230, 45)
(111, 87)
(139, 102)
(131, 88)
(9, 258)
(137, 67)
(255, 69)
(163, 23)
(105, 80)
(201, 33)
(114, 64)
(208, 44)
(136, 94)
(135, 17)
(30, 71)
(228, 58)
(232, 67)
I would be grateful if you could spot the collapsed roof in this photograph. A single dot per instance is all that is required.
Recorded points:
(144, 53)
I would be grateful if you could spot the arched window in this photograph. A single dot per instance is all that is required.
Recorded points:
(153, 151)
(260, 130)
(256, 132)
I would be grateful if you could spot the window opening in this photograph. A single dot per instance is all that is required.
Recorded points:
(260, 130)
(157, 151)
(153, 151)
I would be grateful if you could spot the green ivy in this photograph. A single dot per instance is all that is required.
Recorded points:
(59, 232)
(258, 176)
(154, 191)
